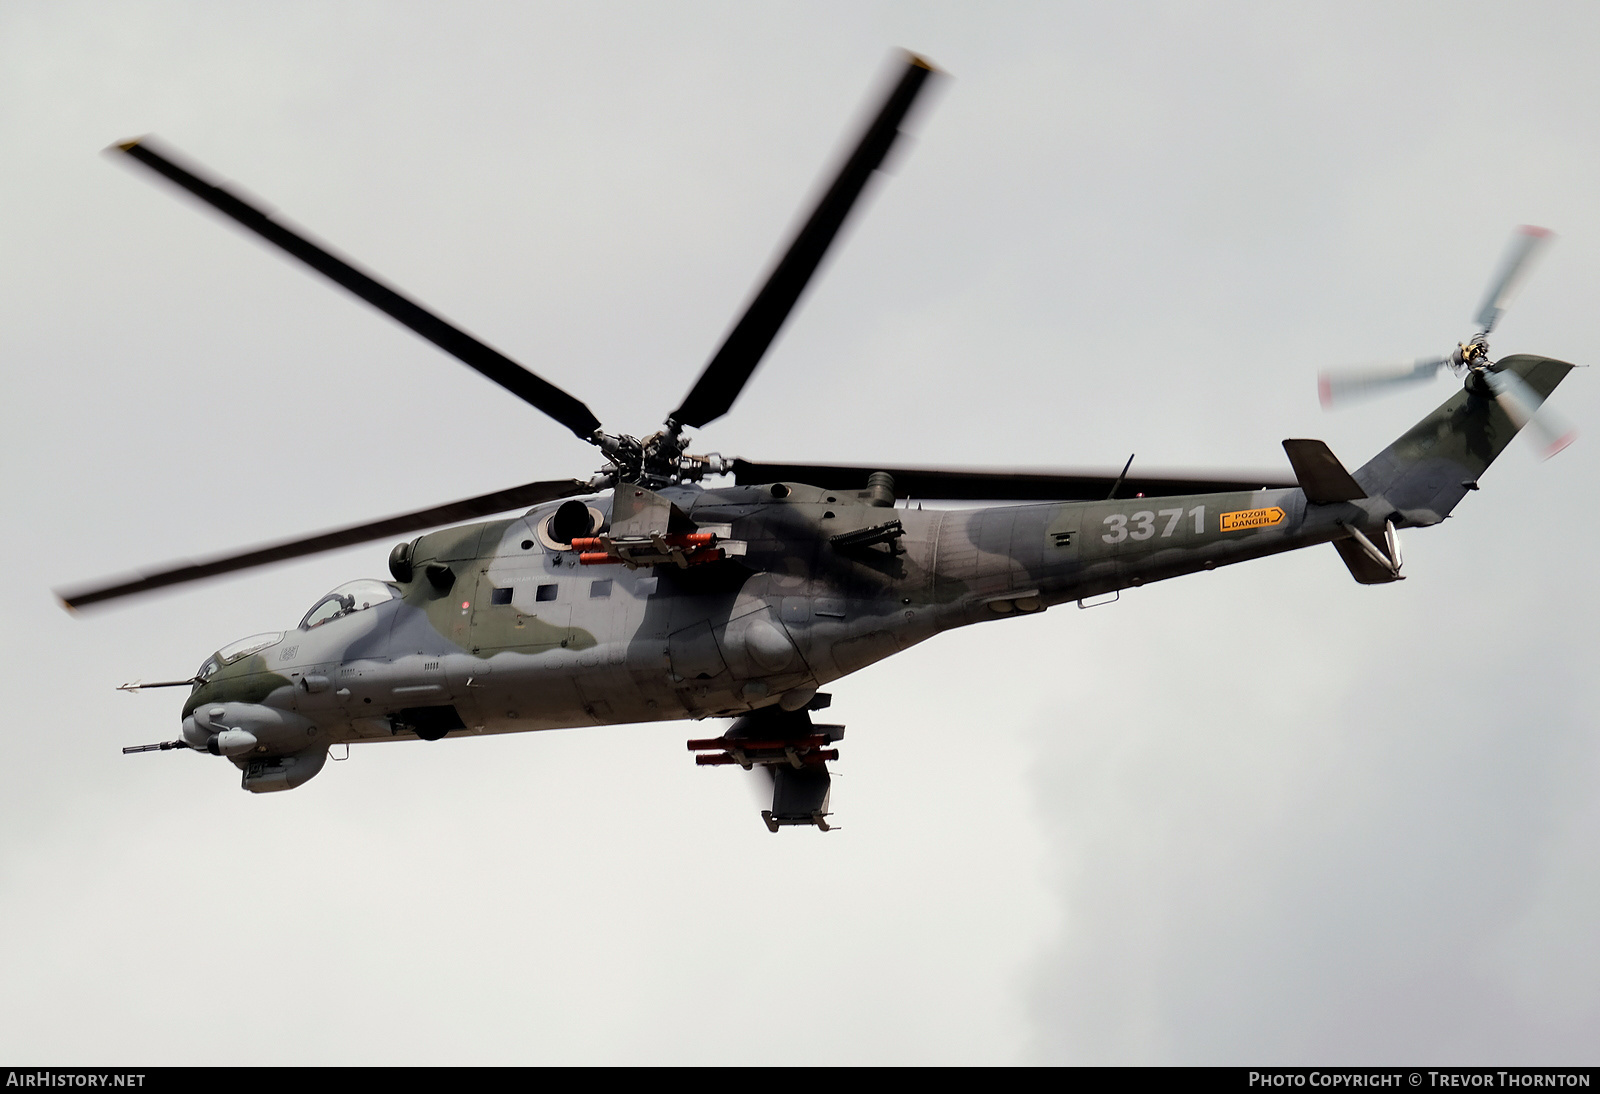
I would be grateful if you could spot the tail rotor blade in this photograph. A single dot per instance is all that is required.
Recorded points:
(1335, 386)
(1527, 244)
(1522, 405)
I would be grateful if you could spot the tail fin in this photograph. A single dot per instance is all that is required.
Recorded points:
(1427, 472)
(1324, 480)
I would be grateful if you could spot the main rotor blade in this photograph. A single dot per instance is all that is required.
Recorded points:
(1527, 243)
(948, 484)
(1338, 385)
(518, 497)
(487, 361)
(730, 369)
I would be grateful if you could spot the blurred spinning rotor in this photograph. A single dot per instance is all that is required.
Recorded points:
(1470, 359)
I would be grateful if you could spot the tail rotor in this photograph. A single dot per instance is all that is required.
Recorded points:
(1470, 359)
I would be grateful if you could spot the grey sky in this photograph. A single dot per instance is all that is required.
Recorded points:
(1262, 815)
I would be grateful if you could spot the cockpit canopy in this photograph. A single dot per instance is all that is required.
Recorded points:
(234, 651)
(352, 596)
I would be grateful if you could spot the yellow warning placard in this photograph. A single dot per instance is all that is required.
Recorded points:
(1251, 518)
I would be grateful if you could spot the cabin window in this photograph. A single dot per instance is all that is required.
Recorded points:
(500, 596)
(547, 592)
(599, 589)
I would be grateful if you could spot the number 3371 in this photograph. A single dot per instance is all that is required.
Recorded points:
(1143, 524)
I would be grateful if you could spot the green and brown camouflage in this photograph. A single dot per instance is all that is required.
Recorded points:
(641, 595)
(247, 680)
(500, 627)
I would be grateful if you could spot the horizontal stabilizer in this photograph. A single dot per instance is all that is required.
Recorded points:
(1322, 477)
(1363, 567)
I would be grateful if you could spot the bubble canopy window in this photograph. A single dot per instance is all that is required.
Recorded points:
(352, 596)
(234, 651)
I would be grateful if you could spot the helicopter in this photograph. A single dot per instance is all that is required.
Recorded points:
(645, 593)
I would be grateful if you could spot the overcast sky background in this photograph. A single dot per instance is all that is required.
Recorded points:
(1264, 815)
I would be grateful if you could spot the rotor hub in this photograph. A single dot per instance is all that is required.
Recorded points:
(657, 460)
(1472, 355)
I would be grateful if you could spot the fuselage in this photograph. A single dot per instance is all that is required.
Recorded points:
(500, 628)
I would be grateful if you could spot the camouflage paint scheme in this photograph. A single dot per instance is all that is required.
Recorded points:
(796, 612)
